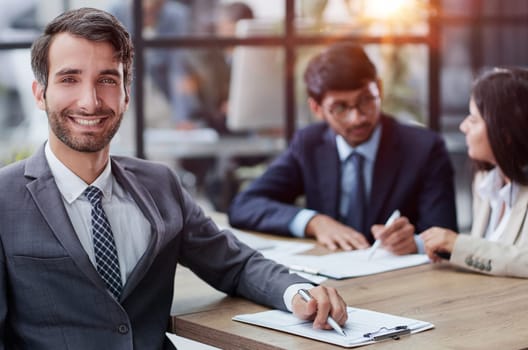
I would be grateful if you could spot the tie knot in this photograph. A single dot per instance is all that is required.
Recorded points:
(356, 158)
(93, 194)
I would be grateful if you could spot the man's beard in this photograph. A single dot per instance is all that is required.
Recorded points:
(88, 142)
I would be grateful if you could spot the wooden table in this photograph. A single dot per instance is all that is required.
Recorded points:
(469, 311)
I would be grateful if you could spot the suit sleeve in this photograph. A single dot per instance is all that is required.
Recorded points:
(492, 258)
(268, 203)
(227, 264)
(436, 200)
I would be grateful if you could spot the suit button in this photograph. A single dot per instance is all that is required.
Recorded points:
(123, 329)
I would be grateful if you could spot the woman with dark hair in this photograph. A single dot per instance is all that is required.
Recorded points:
(496, 137)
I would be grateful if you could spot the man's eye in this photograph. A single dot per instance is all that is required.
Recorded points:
(339, 108)
(108, 81)
(67, 80)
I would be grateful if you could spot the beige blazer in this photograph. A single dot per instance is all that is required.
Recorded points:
(509, 256)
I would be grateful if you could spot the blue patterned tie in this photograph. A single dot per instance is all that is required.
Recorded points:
(356, 206)
(106, 260)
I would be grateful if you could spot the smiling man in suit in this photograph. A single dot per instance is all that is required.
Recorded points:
(354, 168)
(89, 242)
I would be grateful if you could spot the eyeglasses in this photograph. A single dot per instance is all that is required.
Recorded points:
(366, 105)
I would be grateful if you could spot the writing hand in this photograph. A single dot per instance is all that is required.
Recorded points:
(398, 237)
(325, 302)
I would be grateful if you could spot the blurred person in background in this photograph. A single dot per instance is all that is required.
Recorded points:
(210, 70)
(165, 68)
(495, 131)
(353, 168)
(209, 74)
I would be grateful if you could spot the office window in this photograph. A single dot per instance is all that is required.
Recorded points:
(428, 53)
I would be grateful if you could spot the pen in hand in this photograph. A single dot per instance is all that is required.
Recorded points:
(305, 295)
(377, 243)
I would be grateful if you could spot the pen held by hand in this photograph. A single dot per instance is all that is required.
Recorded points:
(305, 295)
(396, 214)
(443, 255)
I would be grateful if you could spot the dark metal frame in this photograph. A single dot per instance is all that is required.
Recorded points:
(289, 41)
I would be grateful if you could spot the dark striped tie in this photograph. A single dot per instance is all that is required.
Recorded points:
(106, 260)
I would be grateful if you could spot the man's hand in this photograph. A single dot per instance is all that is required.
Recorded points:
(438, 239)
(333, 234)
(398, 237)
(325, 302)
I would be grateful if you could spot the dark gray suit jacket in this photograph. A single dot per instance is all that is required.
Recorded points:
(51, 296)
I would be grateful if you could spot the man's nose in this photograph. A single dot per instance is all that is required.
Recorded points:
(353, 115)
(89, 99)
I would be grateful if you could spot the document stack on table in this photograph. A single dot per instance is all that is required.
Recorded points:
(351, 264)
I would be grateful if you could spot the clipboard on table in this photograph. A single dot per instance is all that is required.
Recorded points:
(362, 328)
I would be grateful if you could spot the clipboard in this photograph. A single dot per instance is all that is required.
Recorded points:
(362, 328)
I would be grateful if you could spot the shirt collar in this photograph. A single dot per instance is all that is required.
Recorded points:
(491, 188)
(367, 149)
(72, 186)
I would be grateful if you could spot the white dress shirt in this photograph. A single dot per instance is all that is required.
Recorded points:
(501, 198)
(130, 228)
(368, 150)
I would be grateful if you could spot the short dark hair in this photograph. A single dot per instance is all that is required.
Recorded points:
(341, 66)
(88, 23)
(501, 96)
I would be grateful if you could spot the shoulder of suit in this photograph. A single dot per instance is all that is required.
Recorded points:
(313, 132)
(13, 170)
(138, 164)
(411, 131)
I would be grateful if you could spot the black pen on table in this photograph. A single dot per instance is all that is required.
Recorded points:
(307, 297)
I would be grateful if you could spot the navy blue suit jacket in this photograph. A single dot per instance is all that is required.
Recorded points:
(412, 173)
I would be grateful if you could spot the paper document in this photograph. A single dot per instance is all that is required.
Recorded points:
(363, 326)
(182, 343)
(351, 264)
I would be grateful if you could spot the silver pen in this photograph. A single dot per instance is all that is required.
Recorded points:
(377, 243)
(307, 297)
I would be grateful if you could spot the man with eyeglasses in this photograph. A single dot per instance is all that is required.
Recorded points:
(394, 167)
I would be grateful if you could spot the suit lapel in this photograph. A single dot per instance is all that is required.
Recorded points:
(48, 200)
(517, 218)
(148, 207)
(388, 161)
(328, 170)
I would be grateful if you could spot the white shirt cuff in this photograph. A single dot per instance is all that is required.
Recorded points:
(419, 244)
(290, 292)
(298, 225)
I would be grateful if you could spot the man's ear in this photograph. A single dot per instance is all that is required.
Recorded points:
(38, 93)
(316, 108)
(379, 83)
(127, 97)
